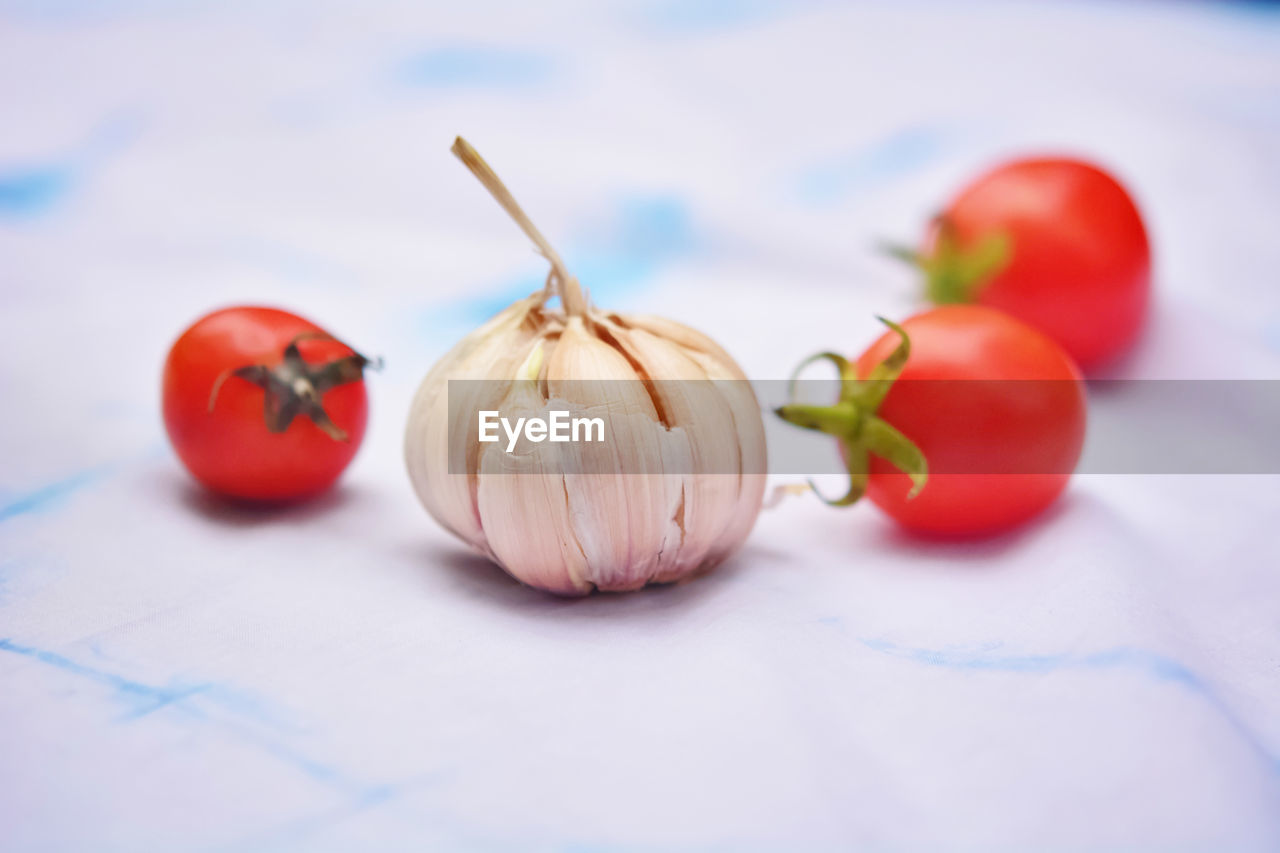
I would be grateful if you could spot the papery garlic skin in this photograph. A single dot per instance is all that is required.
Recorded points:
(570, 533)
(572, 519)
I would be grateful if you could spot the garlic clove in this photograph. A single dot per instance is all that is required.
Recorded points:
(524, 509)
(522, 502)
(683, 396)
(621, 506)
(695, 343)
(495, 349)
(651, 339)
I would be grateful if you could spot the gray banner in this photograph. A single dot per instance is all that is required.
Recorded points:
(709, 427)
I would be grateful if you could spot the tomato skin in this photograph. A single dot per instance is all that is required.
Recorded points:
(993, 426)
(229, 449)
(1080, 269)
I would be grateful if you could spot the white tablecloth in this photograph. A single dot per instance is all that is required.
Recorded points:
(180, 674)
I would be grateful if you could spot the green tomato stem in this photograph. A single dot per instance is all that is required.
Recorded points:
(955, 273)
(854, 421)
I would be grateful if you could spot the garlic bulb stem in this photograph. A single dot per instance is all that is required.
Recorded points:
(566, 286)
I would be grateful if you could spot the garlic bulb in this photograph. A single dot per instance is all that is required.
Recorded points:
(673, 490)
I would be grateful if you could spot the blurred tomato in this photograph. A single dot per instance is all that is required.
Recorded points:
(263, 405)
(1057, 243)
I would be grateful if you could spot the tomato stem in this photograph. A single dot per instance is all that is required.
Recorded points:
(852, 419)
(955, 273)
(295, 387)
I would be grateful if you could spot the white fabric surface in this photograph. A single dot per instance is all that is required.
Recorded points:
(178, 674)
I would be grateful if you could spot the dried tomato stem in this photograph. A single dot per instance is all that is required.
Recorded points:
(295, 387)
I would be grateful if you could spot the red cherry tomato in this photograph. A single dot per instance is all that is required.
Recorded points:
(1057, 243)
(978, 428)
(261, 404)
